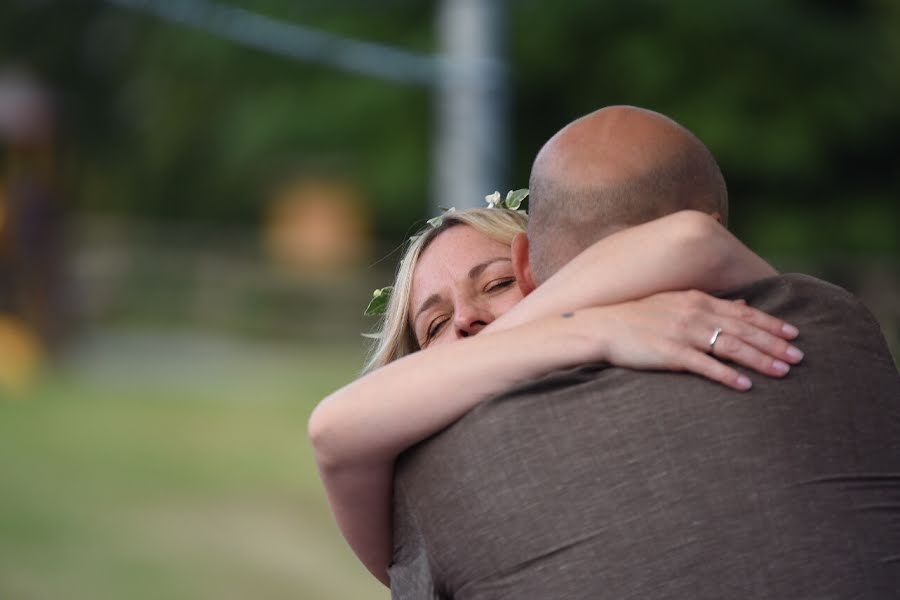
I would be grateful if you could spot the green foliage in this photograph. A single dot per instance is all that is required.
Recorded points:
(515, 198)
(379, 303)
(798, 100)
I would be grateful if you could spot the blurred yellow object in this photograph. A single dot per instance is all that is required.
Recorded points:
(2, 207)
(20, 356)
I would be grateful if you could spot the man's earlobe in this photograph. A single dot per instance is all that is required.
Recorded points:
(521, 264)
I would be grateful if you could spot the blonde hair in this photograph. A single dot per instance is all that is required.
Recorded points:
(397, 338)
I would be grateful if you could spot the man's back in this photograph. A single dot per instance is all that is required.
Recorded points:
(615, 483)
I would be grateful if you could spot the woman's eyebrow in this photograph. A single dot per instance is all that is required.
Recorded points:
(478, 269)
(431, 301)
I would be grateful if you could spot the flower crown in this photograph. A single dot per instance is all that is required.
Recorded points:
(382, 296)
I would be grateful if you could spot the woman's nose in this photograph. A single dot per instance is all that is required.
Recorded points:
(471, 319)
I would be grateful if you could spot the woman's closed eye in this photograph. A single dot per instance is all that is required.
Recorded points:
(435, 327)
(499, 284)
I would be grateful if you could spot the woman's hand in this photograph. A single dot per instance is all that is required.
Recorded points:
(672, 331)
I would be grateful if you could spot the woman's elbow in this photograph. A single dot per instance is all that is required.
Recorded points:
(699, 236)
(322, 434)
(694, 225)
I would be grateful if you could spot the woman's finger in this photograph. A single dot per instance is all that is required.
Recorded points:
(760, 339)
(736, 310)
(709, 367)
(765, 321)
(737, 350)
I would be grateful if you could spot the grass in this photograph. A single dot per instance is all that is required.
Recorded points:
(173, 471)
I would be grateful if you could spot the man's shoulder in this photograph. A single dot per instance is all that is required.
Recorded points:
(821, 310)
(792, 284)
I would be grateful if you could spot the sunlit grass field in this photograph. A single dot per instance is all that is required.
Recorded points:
(171, 467)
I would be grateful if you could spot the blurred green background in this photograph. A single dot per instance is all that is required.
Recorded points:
(190, 228)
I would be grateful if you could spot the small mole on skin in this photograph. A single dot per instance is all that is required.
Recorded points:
(567, 315)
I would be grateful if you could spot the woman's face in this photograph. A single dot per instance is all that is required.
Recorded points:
(462, 282)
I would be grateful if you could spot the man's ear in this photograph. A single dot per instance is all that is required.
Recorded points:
(716, 216)
(521, 264)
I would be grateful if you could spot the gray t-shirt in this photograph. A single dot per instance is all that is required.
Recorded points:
(603, 482)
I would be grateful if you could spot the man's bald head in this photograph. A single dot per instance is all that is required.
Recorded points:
(614, 168)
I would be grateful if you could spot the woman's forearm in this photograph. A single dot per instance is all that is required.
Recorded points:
(685, 250)
(360, 421)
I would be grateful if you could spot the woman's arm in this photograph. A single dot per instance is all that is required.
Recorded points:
(358, 431)
(682, 251)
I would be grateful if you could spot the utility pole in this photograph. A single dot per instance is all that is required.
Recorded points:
(472, 141)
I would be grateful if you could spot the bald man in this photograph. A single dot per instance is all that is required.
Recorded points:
(602, 482)
(615, 168)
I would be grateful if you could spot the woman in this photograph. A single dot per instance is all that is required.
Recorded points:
(456, 280)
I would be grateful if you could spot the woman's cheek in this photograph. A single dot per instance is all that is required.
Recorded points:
(443, 337)
(508, 301)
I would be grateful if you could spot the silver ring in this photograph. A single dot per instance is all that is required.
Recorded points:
(714, 339)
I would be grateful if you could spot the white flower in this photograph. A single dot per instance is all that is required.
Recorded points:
(493, 200)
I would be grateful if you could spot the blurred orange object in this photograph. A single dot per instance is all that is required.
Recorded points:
(317, 226)
(21, 355)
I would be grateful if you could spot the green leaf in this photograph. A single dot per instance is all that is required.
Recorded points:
(436, 222)
(378, 305)
(514, 198)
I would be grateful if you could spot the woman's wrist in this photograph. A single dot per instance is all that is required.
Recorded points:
(579, 337)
